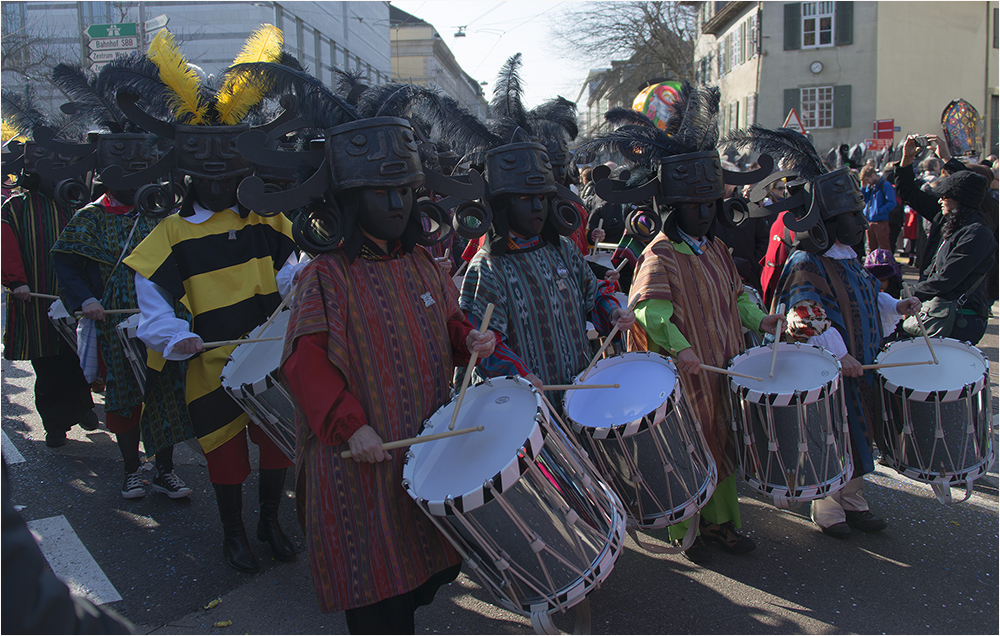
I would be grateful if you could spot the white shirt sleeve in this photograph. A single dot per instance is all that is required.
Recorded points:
(887, 312)
(286, 275)
(158, 327)
(831, 340)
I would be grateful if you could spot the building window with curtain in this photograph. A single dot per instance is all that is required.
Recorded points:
(817, 24)
(817, 107)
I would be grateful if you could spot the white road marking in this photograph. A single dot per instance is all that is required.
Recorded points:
(10, 453)
(71, 562)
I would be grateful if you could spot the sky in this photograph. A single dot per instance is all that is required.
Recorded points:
(495, 30)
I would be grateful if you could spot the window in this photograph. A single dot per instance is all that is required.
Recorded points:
(751, 109)
(734, 49)
(817, 24)
(817, 107)
(752, 46)
(996, 24)
(733, 117)
(721, 59)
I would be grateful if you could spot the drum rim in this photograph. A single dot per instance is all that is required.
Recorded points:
(944, 395)
(503, 479)
(268, 381)
(809, 396)
(638, 425)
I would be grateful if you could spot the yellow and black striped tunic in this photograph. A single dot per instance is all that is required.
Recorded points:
(223, 271)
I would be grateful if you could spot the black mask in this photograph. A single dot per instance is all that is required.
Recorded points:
(695, 219)
(526, 214)
(848, 228)
(383, 212)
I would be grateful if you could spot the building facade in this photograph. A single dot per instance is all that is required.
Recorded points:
(843, 65)
(322, 35)
(420, 56)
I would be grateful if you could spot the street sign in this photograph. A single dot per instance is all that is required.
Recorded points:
(792, 121)
(878, 144)
(124, 29)
(107, 56)
(158, 22)
(151, 34)
(110, 44)
(883, 128)
(97, 66)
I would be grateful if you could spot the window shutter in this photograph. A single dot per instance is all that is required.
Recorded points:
(843, 17)
(791, 101)
(842, 106)
(793, 26)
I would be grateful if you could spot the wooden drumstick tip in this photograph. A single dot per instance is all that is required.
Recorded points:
(483, 328)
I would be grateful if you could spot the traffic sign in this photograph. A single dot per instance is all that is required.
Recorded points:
(107, 56)
(878, 144)
(110, 44)
(97, 66)
(158, 22)
(124, 29)
(151, 34)
(792, 121)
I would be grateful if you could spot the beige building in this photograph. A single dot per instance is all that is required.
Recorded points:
(420, 56)
(843, 65)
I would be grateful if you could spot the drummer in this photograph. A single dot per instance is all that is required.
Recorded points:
(831, 287)
(690, 304)
(373, 338)
(87, 259)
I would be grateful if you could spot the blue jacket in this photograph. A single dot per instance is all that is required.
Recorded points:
(880, 200)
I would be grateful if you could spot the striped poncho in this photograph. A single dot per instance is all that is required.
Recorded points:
(32, 223)
(386, 328)
(686, 299)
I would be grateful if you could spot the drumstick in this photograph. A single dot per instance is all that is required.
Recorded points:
(607, 341)
(573, 387)
(600, 226)
(34, 295)
(420, 440)
(705, 367)
(472, 365)
(226, 343)
(111, 311)
(777, 337)
(923, 330)
(886, 365)
(621, 265)
(270, 319)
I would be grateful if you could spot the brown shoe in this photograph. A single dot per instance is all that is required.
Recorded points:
(726, 536)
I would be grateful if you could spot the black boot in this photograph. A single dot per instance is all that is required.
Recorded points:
(272, 487)
(235, 547)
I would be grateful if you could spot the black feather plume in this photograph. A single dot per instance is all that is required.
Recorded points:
(640, 145)
(140, 76)
(20, 109)
(395, 99)
(466, 134)
(508, 100)
(313, 100)
(558, 113)
(781, 143)
(699, 127)
(621, 116)
(677, 108)
(80, 85)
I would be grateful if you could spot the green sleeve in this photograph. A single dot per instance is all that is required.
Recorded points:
(654, 318)
(750, 313)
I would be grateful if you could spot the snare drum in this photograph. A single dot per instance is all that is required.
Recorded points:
(525, 509)
(644, 438)
(134, 349)
(251, 378)
(937, 423)
(64, 323)
(792, 430)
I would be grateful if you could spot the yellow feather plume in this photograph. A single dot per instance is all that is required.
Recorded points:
(181, 80)
(8, 132)
(237, 95)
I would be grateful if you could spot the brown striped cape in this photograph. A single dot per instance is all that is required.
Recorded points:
(386, 322)
(704, 291)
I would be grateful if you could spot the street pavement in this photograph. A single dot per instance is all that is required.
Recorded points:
(933, 571)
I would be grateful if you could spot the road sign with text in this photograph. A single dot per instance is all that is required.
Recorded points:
(124, 29)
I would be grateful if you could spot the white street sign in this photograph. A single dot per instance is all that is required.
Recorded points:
(107, 56)
(110, 44)
(151, 34)
(97, 66)
(158, 22)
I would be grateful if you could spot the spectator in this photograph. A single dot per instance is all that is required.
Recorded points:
(880, 200)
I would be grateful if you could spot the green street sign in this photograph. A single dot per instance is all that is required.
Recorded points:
(125, 29)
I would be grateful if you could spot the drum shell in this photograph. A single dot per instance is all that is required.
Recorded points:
(793, 446)
(547, 494)
(659, 464)
(250, 377)
(937, 437)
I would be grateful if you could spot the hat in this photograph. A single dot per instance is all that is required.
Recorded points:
(966, 187)
(881, 264)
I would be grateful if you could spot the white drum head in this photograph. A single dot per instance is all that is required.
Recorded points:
(960, 365)
(798, 368)
(129, 326)
(646, 381)
(457, 467)
(57, 311)
(250, 363)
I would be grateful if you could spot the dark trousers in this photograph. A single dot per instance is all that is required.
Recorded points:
(62, 394)
(395, 615)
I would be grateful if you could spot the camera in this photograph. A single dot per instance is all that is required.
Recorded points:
(921, 141)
